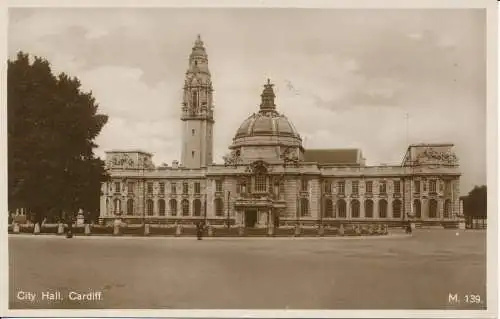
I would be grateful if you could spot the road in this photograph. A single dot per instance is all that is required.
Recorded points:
(400, 272)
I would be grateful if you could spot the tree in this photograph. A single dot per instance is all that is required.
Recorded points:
(475, 203)
(51, 128)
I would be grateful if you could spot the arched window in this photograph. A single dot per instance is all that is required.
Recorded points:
(130, 206)
(173, 207)
(107, 206)
(185, 207)
(355, 208)
(197, 207)
(161, 207)
(118, 205)
(149, 207)
(447, 209)
(195, 99)
(328, 208)
(368, 208)
(417, 208)
(304, 207)
(433, 208)
(382, 208)
(341, 208)
(396, 208)
(219, 207)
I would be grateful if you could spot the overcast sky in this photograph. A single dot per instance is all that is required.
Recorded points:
(345, 78)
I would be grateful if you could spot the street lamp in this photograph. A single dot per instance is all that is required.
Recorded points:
(228, 196)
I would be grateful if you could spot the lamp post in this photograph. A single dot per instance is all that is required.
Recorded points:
(205, 209)
(228, 196)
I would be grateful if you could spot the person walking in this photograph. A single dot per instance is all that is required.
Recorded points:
(199, 230)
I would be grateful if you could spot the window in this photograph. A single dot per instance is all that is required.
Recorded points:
(432, 208)
(328, 187)
(219, 207)
(355, 187)
(150, 188)
(161, 207)
(382, 208)
(417, 186)
(368, 208)
(185, 188)
(397, 187)
(185, 207)
(304, 185)
(130, 187)
(149, 207)
(341, 208)
(162, 188)
(304, 207)
(417, 208)
(328, 208)
(432, 186)
(130, 206)
(424, 186)
(341, 188)
(173, 188)
(192, 132)
(260, 183)
(197, 188)
(355, 208)
(447, 209)
(173, 207)
(197, 207)
(396, 209)
(218, 186)
(118, 206)
(117, 187)
(192, 154)
(195, 99)
(382, 187)
(369, 187)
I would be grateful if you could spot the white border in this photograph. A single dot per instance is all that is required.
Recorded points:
(492, 159)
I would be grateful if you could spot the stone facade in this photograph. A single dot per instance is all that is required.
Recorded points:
(267, 181)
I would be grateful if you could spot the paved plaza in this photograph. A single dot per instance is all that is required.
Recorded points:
(395, 272)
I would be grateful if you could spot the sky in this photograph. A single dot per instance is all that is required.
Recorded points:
(374, 79)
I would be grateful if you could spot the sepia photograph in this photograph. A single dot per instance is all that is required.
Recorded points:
(250, 158)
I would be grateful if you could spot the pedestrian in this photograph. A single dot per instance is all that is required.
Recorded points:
(408, 228)
(69, 232)
(199, 230)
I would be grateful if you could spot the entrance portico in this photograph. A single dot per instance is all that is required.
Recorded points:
(257, 212)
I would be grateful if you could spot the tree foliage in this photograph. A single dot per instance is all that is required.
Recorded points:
(51, 127)
(475, 203)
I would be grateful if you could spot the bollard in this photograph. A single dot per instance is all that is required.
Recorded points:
(178, 230)
(87, 230)
(15, 228)
(60, 228)
(341, 230)
(146, 230)
(116, 227)
(321, 231)
(36, 231)
(297, 231)
(270, 231)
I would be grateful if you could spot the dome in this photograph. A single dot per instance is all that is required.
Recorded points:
(266, 134)
(271, 123)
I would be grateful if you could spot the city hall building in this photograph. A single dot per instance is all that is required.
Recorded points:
(268, 179)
